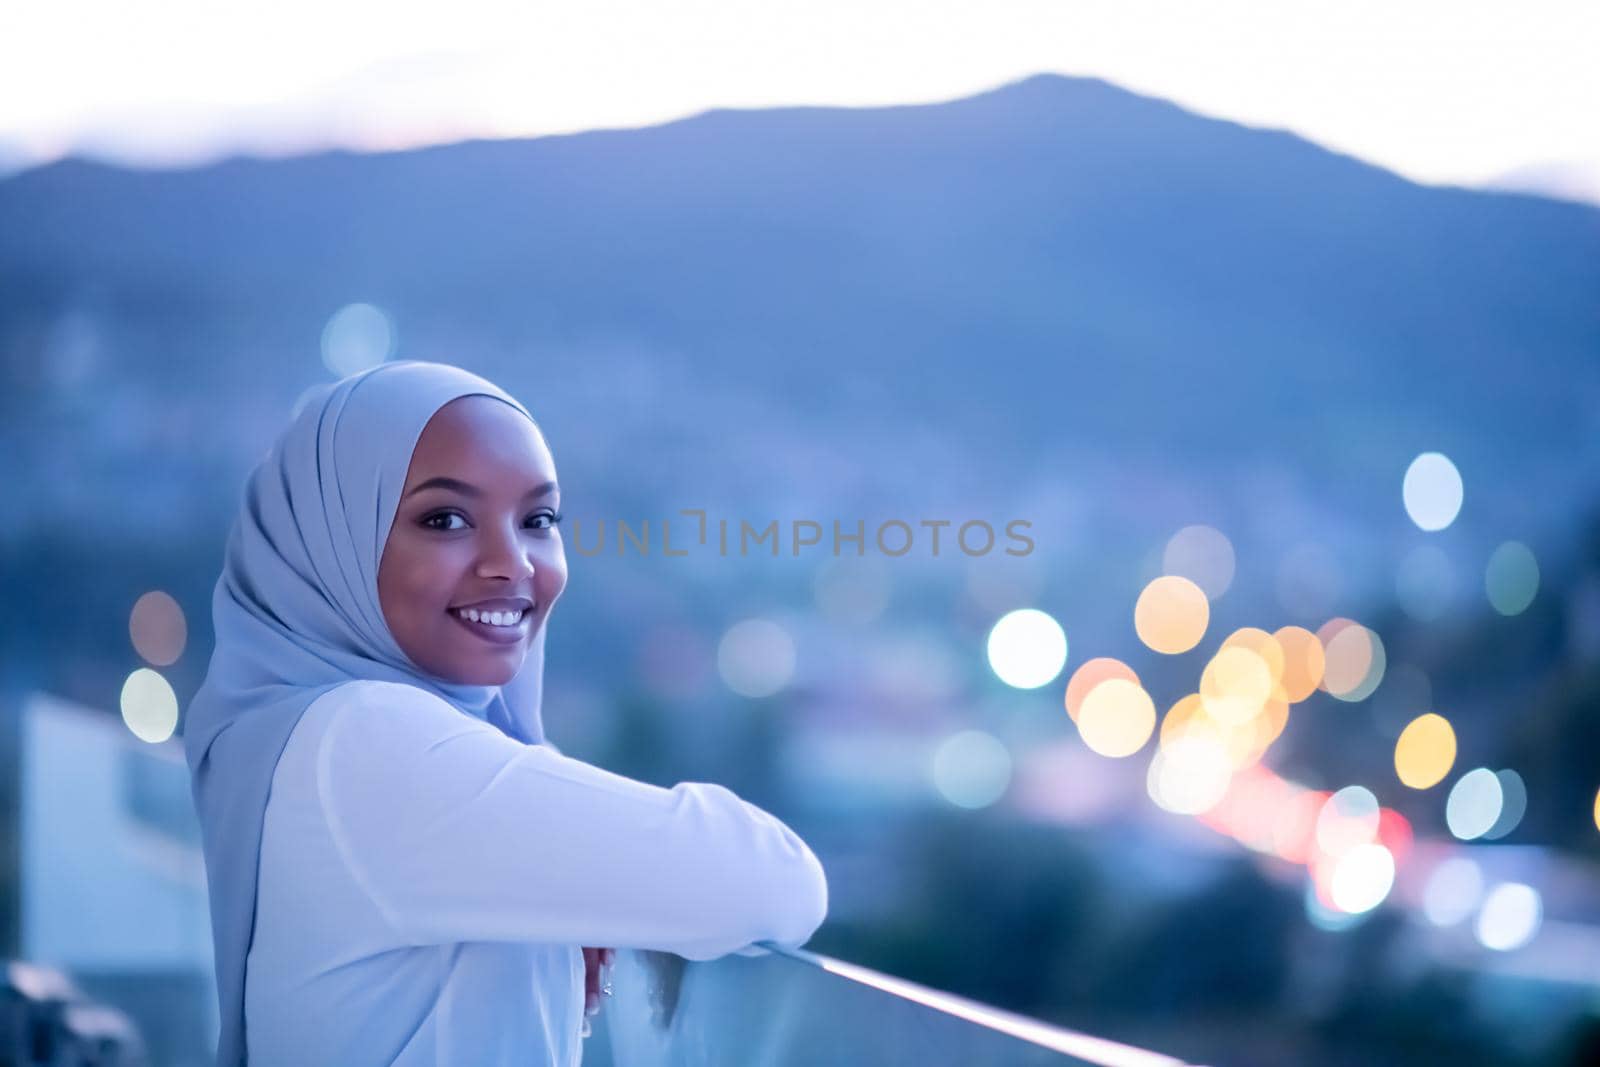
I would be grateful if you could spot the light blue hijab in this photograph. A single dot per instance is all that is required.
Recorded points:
(296, 613)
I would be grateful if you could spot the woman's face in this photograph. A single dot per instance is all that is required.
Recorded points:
(486, 538)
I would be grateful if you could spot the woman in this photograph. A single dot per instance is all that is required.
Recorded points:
(401, 870)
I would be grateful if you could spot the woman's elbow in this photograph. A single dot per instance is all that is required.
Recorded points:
(805, 902)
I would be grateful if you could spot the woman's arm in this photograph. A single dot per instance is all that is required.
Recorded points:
(460, 833)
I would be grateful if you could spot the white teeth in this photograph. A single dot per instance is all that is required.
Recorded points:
(492, 618)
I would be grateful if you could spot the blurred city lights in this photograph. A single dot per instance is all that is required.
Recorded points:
(1323, 914)
(1235, 685)
(1027, 648)
(756, 657)
(1453, 891)
(149, 706)
(356, 337)
(1171, 614)
(1510, 916)
(1432, 491)
(1294, 835)
(1304, 662)
(1190, 775)
(1425, 583)
(1362, 878)
(1355, 659)
(971, 769)
(1474, 805)
(158, 628)
(1091, 674)
(1395, 833)
(1116, 718)
(1203, 555)
(1513, 805)
(1263, 645)
(1511, 578)
(1348, 819)
(1425, 751)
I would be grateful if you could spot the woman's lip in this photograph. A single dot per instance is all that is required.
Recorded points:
(498, 635)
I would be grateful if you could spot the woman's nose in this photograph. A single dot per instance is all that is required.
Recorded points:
(505, 555)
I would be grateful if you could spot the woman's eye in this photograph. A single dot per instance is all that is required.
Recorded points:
(428, 522)
(543, 520)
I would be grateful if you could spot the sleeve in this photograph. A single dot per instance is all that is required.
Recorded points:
(459, 833)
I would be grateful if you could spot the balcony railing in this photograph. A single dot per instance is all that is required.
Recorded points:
(795, 1008)
(108, 830)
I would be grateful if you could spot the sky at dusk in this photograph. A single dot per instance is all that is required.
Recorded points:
(1441, 91)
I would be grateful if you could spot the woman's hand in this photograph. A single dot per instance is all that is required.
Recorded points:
(596, 980)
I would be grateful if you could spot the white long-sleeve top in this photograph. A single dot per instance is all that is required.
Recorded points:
(427, 885)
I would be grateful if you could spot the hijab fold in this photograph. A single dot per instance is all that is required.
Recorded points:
(296, 614)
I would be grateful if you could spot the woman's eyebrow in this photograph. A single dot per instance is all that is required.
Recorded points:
(468, 489)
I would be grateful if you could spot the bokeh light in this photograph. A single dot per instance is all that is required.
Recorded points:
(1432, 491)
(1304, 662)
(1171, 614)
(1362, 878)
(1091, 674)
(356, 337)
(1263, 645)
(158, 628)
(1355, 659)
(1190, 775)
(1294, 834)
(1513, 805)
(1474, 805)
(149, 706)
(1510, 916)
(971, 769)
(1453, 891)
(1116, 718)
(1348, 819)
(1027, 648)
(1322, 913)
(1511, 578)
(1425, 752)
(1202, 554)
(1235, 685)
(1425, 583)
(756, 657)
(1395, 833)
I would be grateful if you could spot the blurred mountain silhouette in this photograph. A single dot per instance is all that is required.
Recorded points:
(1058, 299)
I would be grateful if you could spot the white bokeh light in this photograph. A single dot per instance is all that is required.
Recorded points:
(756, 657)
(1510, 916)
(971, 769)
(1027, 649)
(1474, 804)
(1191, 775)
(1432, 491)
(149, 706)
(1362, 878)
(357, 336)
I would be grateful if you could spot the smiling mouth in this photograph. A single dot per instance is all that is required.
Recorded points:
(498, 635)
